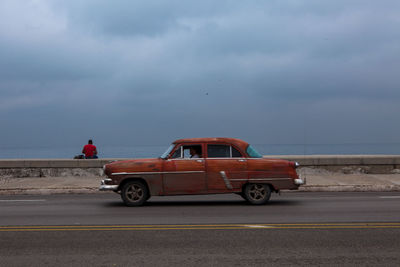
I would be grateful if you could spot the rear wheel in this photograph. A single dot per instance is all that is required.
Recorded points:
(257, 194)
(134, 193)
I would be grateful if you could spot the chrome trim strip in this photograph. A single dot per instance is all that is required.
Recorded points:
(152, 173)
(235, 158)
(108, 187)
(260, 179)
(226, 180)
(186, 159)
(105, 187)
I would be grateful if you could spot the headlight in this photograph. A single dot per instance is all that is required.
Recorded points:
(296, 165)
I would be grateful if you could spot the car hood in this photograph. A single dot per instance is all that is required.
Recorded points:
(134, 165)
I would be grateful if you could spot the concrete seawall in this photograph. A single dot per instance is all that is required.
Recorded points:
(346, 164)
(21, 168)
(323, 173)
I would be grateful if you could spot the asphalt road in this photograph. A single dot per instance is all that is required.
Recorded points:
(337, 229)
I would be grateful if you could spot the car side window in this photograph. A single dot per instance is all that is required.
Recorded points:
(218, 151)
(236, 153)
(188, 151)
(177, 153)
(192, 151)
(223, 151)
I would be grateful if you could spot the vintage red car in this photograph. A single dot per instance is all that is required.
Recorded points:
(201, 166)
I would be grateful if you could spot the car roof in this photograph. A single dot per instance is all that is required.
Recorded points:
(234, 141)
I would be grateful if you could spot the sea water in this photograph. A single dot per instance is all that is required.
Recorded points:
(151, 151)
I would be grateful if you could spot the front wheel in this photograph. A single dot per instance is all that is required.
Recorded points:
(257, 194)
(134, 193)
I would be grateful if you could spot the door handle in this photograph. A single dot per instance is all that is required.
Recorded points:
(241, 160)
(199, 160)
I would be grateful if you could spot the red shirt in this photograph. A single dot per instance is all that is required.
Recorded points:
(89, 150)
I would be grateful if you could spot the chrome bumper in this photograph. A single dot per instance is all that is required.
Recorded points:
(106, 187)
(299, 181)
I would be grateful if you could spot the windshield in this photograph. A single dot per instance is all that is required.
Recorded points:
(166, 153)
(252, 152)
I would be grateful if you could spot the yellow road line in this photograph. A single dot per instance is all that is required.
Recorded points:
(199, 227)
(206, 225)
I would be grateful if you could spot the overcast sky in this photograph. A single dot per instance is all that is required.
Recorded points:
(149, 72)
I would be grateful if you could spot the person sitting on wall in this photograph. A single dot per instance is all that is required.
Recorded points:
(90, 150)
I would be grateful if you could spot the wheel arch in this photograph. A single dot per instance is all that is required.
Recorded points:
(131, 179)
(271, 186)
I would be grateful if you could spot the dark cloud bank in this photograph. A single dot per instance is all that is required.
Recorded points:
(149, 72)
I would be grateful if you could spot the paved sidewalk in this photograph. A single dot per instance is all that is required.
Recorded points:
(49, 185)
(316, 181)
(352, 182)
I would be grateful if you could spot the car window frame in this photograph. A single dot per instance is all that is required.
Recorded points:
(180, 147)
(230, 151)
(177, 147)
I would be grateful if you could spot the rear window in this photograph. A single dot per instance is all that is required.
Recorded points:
(252, 152)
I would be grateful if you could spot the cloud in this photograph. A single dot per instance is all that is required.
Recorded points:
(136, 18)
(191, 68)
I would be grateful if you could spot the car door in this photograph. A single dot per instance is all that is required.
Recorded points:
(226, 168)
(182, 174)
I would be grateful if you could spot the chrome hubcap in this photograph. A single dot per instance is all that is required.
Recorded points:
(134, 193)
(257, 192)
